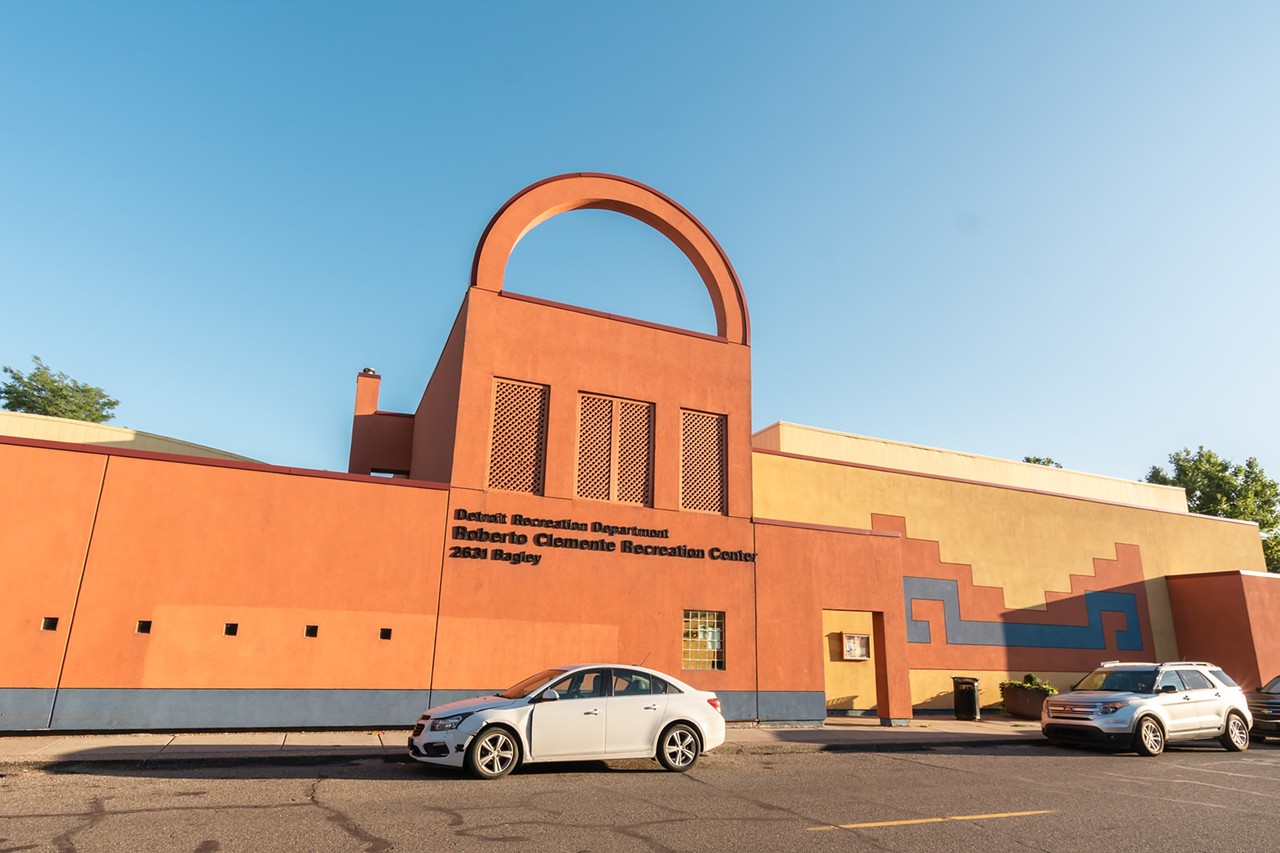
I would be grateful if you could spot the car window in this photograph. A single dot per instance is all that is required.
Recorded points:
(1273, 686)
(581, 685)
(1224, 678)
(1195, 680)
(1171, 678)
(1119, 681)
(628, 682)
(662, 686)
(533, 682)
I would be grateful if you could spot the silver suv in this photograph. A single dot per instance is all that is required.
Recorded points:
(1143, 706)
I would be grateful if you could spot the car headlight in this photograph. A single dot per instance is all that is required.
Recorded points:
(445, 724)
(1109, 708)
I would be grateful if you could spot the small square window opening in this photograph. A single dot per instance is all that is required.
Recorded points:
(312, 631)
(384, 634)
(144, 627)
(49, 623)
(231, 629)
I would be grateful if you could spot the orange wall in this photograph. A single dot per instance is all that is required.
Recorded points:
(501, 622)
(46, 513)
(1232, 620)
(193, 546)
(801, 572)
(576, 351)
(435, 424)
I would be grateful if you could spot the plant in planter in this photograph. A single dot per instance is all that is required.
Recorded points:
(1025, 698)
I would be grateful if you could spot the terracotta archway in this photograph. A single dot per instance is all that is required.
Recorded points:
(592, 191)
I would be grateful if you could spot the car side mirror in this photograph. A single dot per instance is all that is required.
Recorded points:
(548, 695)
(1169, 688)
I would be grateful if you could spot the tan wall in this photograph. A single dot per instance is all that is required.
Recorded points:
(22, 425)
(879, 452)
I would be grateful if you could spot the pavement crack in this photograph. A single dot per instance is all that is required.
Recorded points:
(64, 842)
(370, 842)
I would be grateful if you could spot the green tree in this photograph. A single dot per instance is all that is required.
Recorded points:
(1215, 486)
(1041, 460)
(43, 392)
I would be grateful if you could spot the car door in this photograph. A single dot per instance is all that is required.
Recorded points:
(1208, 705)
(635, 712)
(573, 725)
(1176, 702)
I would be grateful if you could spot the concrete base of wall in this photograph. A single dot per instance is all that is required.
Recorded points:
(110, 709)
(22, 709)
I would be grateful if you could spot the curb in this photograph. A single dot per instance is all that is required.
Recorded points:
(71, 763)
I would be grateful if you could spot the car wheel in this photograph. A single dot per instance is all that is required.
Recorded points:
(493, 753)
(678, 748)
(1235, 738)
(1149, 738)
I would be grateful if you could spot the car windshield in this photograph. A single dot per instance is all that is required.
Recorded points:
(1273, 686)
(530, 684)
(1119, 680)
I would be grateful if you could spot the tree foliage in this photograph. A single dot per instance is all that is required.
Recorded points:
(1041, 460)
(43, 392)
(1215, 486)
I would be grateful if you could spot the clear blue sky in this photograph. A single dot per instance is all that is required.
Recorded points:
(1005, 228)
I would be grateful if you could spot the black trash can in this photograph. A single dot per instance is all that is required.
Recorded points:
(964, 693)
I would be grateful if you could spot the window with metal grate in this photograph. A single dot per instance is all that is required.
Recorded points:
(703, 465)
(517, 453)
(702, 643)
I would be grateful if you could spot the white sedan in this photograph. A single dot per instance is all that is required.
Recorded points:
(573, 713)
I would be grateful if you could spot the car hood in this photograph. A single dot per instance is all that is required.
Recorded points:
(1259, 696)
(462, 706)
(1098, 696)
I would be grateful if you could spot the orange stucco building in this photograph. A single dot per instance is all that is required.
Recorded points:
(581, 486)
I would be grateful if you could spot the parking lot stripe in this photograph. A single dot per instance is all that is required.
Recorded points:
(928, 820)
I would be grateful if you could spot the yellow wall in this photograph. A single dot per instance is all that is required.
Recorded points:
(932, 690)
(1022, 542)
(850, 685)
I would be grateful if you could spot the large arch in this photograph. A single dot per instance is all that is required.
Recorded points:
(594, 191)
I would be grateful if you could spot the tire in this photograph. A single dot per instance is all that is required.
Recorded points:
(678, 748)
(1235, 737)
(1148, 737)
(493, 753)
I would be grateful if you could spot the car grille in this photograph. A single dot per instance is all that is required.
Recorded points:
(1265, 710)
(1071, 710)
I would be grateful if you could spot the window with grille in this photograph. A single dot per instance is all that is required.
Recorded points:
(615, 450)
(703, 643)
(703, 461)
(517, 454)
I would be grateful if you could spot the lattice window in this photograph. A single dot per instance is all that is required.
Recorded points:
(517, 455)
(615, 450)
(702, 645)
(635, 453)
(703, 480)
(595, 447)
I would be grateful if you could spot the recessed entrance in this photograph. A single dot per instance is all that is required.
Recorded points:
(849, 662)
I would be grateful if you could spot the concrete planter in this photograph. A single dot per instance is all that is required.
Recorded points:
(1023, 702)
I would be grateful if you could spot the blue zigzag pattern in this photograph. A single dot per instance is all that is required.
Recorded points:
(968, 632)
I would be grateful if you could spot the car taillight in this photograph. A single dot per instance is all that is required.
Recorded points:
(714, 703)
